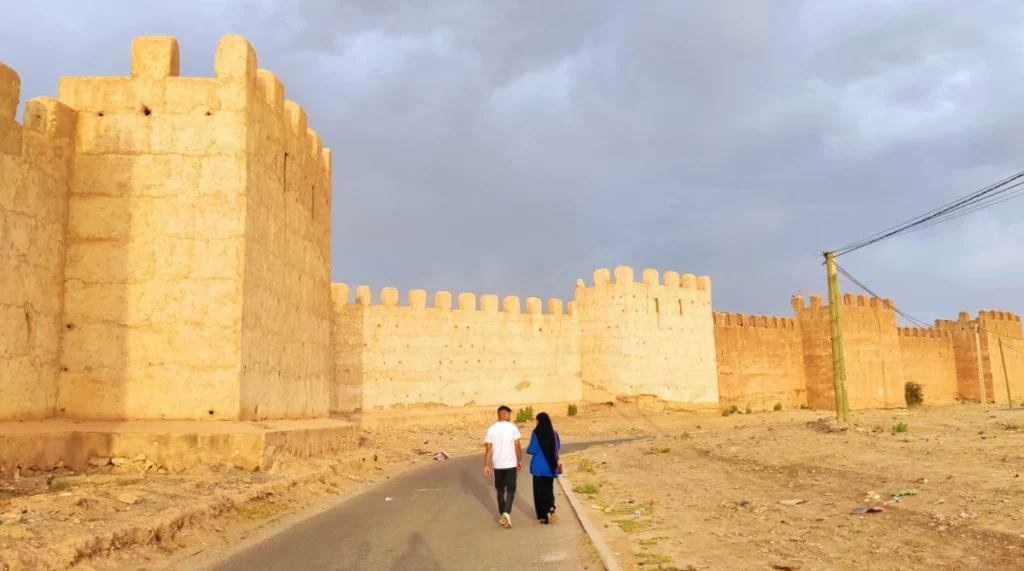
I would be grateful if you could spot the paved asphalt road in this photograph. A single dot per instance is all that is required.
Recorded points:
(440, 518)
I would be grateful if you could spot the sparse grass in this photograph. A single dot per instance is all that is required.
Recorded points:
(128, 481)
(524, 414)
(914, 394)
(1011, 426)
(573, 411)
(587, 489)
(257, 510)
(628, 525)
(778, 407)
(749, 410)
(901, 427)
(659, 450)
(730, 411)
(59, 484)
(653, 558)
(651, 541)
(804, 407)
(586, 465)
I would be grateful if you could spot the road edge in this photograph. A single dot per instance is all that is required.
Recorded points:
(603, 551)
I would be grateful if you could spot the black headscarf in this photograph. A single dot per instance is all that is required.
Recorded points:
(545, 434)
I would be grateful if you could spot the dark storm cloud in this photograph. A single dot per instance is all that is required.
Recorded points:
(512, 147)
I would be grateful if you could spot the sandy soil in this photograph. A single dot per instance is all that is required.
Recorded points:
(777, 490)
(139, 520)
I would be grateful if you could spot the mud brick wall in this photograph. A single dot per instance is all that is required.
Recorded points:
(760, 362)
(930, 361)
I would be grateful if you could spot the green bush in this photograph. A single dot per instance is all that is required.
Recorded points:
(778, 406)
(524, 414)
(913, 393)
(573, 410)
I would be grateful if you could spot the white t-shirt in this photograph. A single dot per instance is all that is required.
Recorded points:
(502, 436)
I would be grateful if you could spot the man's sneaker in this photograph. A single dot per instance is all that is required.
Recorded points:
(505, 521)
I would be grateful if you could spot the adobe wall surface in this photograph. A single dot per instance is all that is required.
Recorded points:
(392, 356)
(874, 367)
(1002, 341)
(155, 241)
(930, 361)
(647, 339)
(286, 356)
(760, 362)
(35, 161)
(965, 353)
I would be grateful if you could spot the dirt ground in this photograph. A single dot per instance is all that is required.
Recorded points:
(697, 492)
(137, 520)
(778, 490)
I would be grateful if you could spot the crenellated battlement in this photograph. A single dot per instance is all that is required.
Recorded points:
(724, 319)
(625, 275)
(848, 300)
(416, 299)
(55, 122)
(985, 315)
(924, 333)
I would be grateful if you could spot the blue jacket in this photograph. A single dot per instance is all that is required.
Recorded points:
(539, 464)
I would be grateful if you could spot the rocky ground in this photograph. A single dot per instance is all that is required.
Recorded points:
(781, 491)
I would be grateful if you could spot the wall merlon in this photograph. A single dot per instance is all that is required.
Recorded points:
(489, 303)
(816, 302)
(51, 117)
(555, 306)
(650, 277)
(389, 297)
(689, 281)
(326, 164)
(511, 304)
(10, 93)
(339, 295)
(418, 299)
(534, 306)
(155, 57)
(443, 300)
(297, 122)
(964, 317)
(235, 60)
(364, 296)
(704, 283)
(602, 277)
(467, 302)
(270, 88)
(624, 275)
(797, 302)
(671, 279)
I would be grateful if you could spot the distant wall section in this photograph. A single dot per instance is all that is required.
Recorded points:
(760, 362)
(874, 367)
(930, 361)
(651, 338)
(390, 356)
(35, 169)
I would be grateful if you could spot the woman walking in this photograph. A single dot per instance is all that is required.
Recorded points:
(544, 466)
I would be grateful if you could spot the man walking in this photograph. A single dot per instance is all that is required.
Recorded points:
(505, 455)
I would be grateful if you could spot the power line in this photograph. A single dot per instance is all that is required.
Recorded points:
(989, 196)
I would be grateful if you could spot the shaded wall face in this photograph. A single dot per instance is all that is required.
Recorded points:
(874, 367)
(930, 361)
(1002, 356)
(650, 339)
(390, 356)
(153, 287)
(760, 362)
(287, 360)
(34, 172)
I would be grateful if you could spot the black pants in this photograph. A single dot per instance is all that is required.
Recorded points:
(505, 482)
(543, 495)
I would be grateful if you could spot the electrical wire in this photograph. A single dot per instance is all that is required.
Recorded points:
(987, 197)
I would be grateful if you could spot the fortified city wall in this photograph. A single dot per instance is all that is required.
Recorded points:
(165, 254)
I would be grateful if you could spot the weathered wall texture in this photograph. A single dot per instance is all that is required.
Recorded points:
(1002, 340)
(396, 356)
(286, 314)
(965, 353)
(35, 162)
(647, 339)
(930, 361)
(760, 362)
(197, 262)
(874, 368)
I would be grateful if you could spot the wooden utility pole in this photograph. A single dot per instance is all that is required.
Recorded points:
(1006, 375)
(838, 357)
(981, 370)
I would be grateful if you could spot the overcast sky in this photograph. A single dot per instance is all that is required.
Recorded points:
(512, 147)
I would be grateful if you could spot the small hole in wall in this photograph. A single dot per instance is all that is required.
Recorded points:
(146, 111)
(70, 326)
(208, 113)
(210, 412)
(256, 409)
(100, 113)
